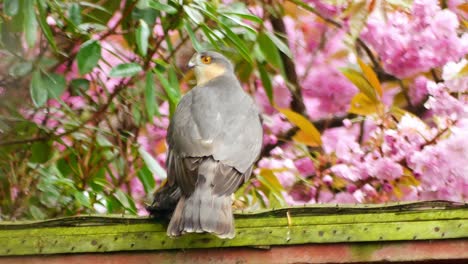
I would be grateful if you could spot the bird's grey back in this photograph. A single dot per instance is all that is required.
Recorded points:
(207, 124)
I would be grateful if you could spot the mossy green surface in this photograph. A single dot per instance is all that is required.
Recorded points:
(312, 224)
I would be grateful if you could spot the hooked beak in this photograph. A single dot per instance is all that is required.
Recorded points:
(192, 61)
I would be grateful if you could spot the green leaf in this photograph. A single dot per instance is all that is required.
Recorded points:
(20, 69)
(74, 13)
(29, 22)
(86, 28)
(147, 179)
(45, 27)
(193, 14)
(238, 42)
(36, 213)
(270, 52)
(96, 6)
(88, 56)
(82, 199)
(142, 34)
(239, 22)
(142, 4)
(281, 45)
(41, 152)
(360, 82)
(150, 96)
(172, 92)
(37, 89)
(212, 37)
(125, 201)
(266, 81)
(152, 164)
(252, 18)
(78, 86)
(11, 7)
(125, 70)
(98, 181)
(196, 45)
(162, 7)
(55, 84)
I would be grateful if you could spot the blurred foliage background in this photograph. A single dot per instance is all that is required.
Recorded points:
(87, 89)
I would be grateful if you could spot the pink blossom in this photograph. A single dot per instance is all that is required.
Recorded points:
(443, 104)
(344, 198)
(442, 167)
(346, 172)
(342, 142)
(418, 90)
(327, 8)
(450, 73)
(413, 44)
(453, 5)
(386, 169)
(305, 166)
(287, 178)
(332, 90)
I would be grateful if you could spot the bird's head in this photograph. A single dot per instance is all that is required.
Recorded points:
(209, 65)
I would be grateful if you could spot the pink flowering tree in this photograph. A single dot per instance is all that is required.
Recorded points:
(362, 101)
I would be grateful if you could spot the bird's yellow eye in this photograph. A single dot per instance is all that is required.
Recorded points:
(206, 59)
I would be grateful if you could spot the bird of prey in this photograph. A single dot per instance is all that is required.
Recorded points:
(214, 138)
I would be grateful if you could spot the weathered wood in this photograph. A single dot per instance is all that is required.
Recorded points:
(312, 224)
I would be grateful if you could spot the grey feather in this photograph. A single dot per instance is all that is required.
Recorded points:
(214, 138)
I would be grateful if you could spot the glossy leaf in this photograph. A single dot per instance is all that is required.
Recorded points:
(142, 34)
(55, 84)
(37, 89)
(266, 82)
(172, 92)
(162, 7)
(125, 70)
(362, 105)
(360, 82)
(193, 14)
(146, 178)
(82, 199)
(41, 151)
(249, 17)
(269, 177)
(196, 45)
(238, 42)
(36, 212)
(152, 164)
(371, 77)
(150, 96)
(11, 7)
(29, 22)
(125, 201)
(281, 45)
(74, 12)
(21, 69)
(270, 52)
(88, 56)
(310, 135)
(46, 28)
(78, 86)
